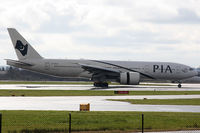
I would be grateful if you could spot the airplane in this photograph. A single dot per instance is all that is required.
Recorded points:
(195, 79)
(99, 71)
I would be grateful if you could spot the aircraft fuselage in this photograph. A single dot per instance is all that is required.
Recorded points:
(72, 68)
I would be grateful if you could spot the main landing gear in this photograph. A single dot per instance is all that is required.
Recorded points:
(101, 84)
(179, 85)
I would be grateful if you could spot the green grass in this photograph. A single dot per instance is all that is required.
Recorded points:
(88, 93)
(57, 121)
(195, 101)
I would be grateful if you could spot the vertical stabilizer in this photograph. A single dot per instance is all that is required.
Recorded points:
(22, 48)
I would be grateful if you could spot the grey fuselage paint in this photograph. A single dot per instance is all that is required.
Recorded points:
(72, 68)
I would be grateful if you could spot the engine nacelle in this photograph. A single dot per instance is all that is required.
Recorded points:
(130, 78)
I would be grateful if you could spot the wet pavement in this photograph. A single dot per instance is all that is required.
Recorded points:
(97, 103)
(148, 87)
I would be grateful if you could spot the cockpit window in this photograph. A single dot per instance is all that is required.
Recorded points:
(191, 69)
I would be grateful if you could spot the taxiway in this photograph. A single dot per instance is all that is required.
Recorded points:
(147, 87)
(98, 103)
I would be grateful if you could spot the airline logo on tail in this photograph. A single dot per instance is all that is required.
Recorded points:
(22, 48)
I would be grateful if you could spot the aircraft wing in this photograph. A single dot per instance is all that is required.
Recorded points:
(93, 69)
(108, 72)
(100, 72)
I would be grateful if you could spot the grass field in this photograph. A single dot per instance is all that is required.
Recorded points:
(162, 101)
(111, 122)
(88, 93)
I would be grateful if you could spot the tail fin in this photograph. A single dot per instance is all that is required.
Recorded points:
(22, 48)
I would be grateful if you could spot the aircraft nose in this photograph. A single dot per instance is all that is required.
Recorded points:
(196, 73)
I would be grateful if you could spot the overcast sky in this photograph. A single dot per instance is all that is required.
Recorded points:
(135, 30)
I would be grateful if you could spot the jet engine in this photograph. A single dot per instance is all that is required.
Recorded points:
(129, 78)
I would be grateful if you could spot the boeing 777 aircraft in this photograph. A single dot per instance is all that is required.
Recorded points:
(99, 71)
(195, 79)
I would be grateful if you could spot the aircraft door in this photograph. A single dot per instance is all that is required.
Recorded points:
(178, 69)
(146, 68)
(47, 66)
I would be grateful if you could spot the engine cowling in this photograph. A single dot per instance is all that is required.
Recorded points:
(130, 78)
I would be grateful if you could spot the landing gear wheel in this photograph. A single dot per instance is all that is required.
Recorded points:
(105, 85)
(101, 84)
(179, 85)
(95, 84)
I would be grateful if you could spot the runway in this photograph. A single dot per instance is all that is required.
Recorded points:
(148, 87)
(97, 103)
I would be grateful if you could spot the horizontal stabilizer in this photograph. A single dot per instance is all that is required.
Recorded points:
(18, 63)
